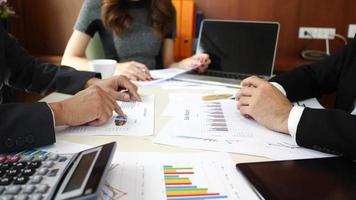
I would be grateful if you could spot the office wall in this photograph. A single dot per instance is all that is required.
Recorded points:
(44, 26)
(291, 14)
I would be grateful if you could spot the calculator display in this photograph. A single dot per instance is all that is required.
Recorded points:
(79, 174)
(86, 173)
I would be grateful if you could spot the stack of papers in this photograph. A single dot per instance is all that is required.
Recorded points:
(219, 126)
(140, 121)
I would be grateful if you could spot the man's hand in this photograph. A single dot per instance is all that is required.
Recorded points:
(265, 103)
(92, 105)
(114, 87)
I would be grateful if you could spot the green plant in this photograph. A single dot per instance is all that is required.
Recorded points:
(5, 10)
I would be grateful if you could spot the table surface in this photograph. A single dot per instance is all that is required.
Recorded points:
(145, 144)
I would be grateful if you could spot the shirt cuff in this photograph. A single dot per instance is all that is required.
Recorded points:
(293, 119)
(54, 120)
(279, 87)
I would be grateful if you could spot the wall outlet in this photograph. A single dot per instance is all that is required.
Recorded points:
(317, 33)
(352, 31)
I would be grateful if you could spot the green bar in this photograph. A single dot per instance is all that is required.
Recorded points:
(38, 152)
(180, 168)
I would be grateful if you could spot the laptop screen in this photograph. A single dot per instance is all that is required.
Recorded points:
(239, 46)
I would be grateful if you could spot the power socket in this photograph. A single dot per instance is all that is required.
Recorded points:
(317, 33)
(352, 31)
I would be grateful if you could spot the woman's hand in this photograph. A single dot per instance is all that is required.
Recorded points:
(134, 71)
(200, 62)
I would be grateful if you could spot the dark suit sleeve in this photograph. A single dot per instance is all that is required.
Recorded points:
(25, 125)
(27, 73)
(327, 130)
(316, 79)
(29, 125)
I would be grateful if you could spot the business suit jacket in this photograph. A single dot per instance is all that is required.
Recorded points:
(28, 125)
(330, 130)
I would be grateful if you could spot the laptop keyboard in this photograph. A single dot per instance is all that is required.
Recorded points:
(225, 75)
(30, 174)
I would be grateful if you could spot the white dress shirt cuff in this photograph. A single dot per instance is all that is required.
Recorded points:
(54, 120)
(293, 119)
(280, 88)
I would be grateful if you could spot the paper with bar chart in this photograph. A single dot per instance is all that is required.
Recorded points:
(173, 176)
(140, 121)
(219, 126)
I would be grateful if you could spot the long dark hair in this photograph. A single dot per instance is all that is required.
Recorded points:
(116, 16)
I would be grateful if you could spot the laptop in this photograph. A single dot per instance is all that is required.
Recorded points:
(238, 49)
(321, 178)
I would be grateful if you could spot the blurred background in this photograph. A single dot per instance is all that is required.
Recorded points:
(44, 26)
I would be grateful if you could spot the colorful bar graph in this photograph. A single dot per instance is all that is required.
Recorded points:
(180, 187)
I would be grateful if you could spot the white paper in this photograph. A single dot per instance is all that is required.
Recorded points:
(310, 103)
(177, 84)
(64, 147)
(140, 176)
(161, 75)
(219, 126)
(140, 121)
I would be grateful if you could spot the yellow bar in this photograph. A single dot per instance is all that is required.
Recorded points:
(177, 181)
(186, 192)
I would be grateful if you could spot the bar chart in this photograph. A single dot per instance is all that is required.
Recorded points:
(215, 119)
(179, 185)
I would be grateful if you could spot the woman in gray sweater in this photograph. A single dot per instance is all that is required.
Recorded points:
(139, 34)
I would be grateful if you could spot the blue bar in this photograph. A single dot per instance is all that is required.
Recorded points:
(168, 166)
(197, 198)
(171, 176)
(181, 187)
(30, 152)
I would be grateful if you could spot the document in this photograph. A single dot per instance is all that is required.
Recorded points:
(173, 176)
(161, 75)
(140, 121)
(64, 147)
(219, 126)
(310, 103)
(177, 84)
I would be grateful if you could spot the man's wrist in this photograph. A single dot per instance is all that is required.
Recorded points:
(279, 87)
(91, 82)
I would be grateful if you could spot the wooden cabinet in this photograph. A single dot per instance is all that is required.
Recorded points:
(185, 13)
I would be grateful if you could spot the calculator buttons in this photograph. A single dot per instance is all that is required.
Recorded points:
(5, 181)
(42, 189)
(36, 179)
(28, 172)
(15, 189)
(20, 180)
(28, 189)
(43, 171)
(35, 164)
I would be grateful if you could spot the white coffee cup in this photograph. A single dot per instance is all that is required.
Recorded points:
(104, 66)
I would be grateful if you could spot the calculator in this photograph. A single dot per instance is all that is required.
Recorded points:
(40, 175)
